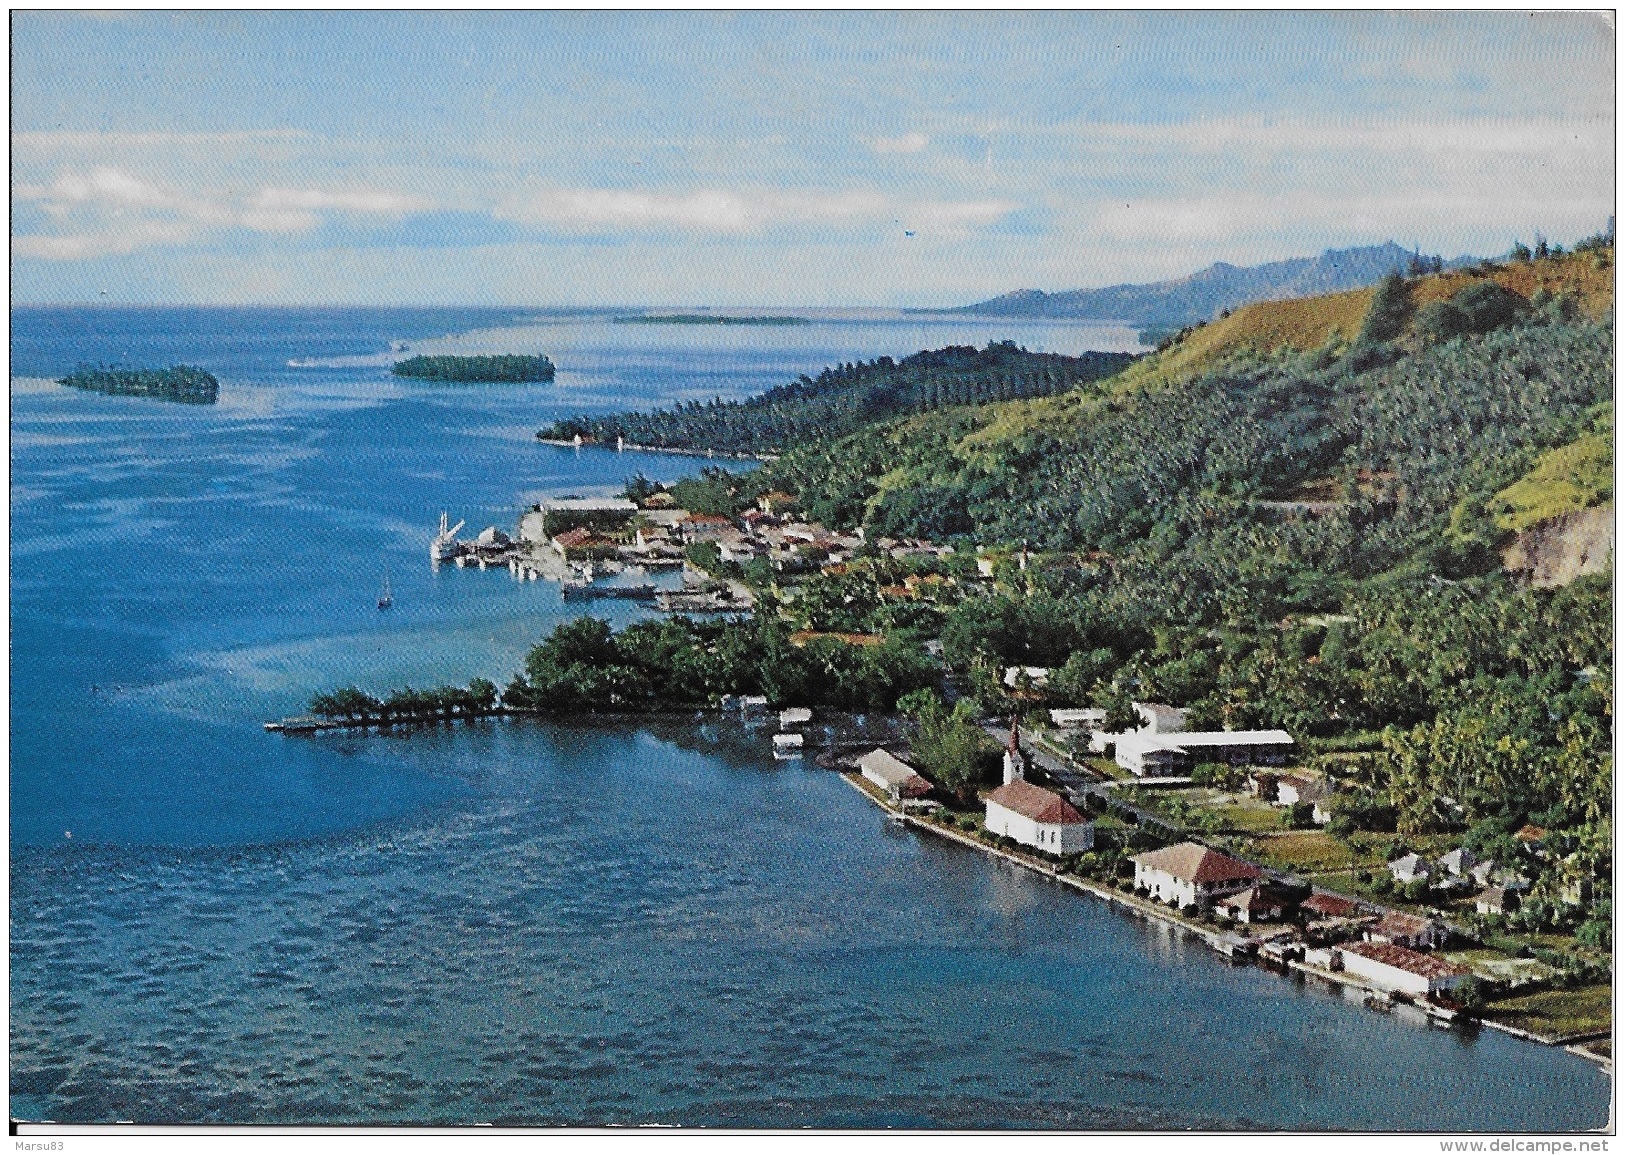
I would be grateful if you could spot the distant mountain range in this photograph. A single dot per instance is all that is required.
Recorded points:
(1203, 295)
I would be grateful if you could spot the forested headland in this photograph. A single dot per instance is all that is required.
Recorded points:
(183, 383)
(505, 367)
(849, 397)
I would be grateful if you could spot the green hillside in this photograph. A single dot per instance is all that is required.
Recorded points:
(1294, 517)
(849, 397)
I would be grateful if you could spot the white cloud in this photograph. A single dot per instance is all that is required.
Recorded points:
(84, 246)
(108, 211)
(724, 212)
(908, 142)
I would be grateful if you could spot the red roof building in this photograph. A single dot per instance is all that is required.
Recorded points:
(1191, 874)
(1329, 906)
(1037, 817)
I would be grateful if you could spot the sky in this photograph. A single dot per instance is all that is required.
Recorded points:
(890, 159)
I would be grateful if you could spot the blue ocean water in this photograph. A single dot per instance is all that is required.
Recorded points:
(527, 922)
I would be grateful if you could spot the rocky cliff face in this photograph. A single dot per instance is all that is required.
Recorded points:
(1556, 551)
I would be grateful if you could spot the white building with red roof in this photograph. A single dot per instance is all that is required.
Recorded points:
(1037, 817)
(1395, 968)
(896, 777)
(1190, 874)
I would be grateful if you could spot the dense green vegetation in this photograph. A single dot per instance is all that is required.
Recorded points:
(183, 383)
(682, 662)
(502, 367)
(1299, 541)
(850, 397)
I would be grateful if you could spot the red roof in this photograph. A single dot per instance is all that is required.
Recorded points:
(1036, 803)
(1253, 898)
(706, 519)
(1426, 965)
(1330, 906)
(1191, 862)
(914, 787)
(1398, 924)
(574, 537)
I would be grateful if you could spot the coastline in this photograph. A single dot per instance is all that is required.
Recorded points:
(709, 454)
(1213, 939)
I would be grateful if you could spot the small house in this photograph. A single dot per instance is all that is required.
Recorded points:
(788, 745)
(704, 527)
(1409, 868)
(1392, 968)
(1408, 930)
(1458, 862)
(1322, 905)
(1191, 874)
(1292, 789)
(1037, 676)
(1255, 904)
(1037, 817)
(896, 777)
(795, 716)
(1496, 900)
(1078, 719)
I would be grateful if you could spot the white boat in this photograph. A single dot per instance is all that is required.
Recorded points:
(386, 599)
(445, 544)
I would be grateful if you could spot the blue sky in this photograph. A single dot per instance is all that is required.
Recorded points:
(836, 158)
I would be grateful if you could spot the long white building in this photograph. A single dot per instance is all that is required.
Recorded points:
(1162, 747)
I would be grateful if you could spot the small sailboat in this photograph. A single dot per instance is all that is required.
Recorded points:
(386, 599)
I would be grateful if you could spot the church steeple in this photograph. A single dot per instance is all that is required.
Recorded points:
(1015, 763)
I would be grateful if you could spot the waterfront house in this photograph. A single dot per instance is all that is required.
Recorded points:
(1191, 874)
(1255, 904)
(736, 547)
(1496, 900)
(1408, 930)
(1037, 817)
(554, 516)
(896, 777)
(582, 544)
(795, 716)
(788, 745)
(1392, 969)
(1409, 868)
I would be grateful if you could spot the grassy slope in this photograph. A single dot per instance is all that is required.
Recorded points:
(1572, 477)
(1272, 329)
(1259, 332)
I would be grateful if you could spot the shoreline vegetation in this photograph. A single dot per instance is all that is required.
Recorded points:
(185, 384)
(1300, 516)
(705, 319)
(505, 368)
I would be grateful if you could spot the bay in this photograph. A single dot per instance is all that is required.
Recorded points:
(524, 922)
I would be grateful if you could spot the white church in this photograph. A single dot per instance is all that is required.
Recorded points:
(1030, 814)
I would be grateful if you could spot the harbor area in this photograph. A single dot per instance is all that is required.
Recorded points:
(595, 549)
